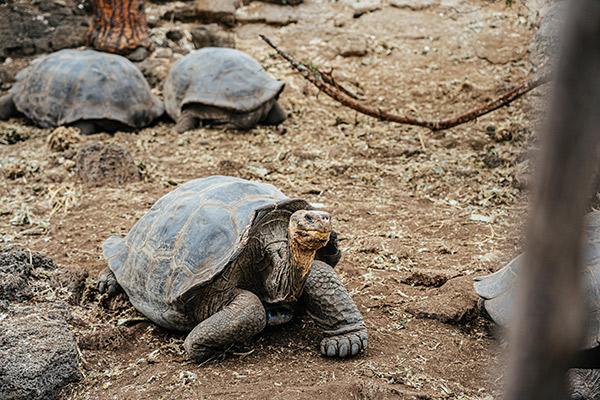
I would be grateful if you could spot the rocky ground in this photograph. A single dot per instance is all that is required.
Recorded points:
(419, 214)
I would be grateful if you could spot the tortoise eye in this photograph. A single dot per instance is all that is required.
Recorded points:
(308, 219)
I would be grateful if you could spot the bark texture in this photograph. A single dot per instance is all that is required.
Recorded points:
(119, 26)
(549, 324)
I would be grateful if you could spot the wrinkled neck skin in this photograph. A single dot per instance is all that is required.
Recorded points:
(285, 282)
(584, 384)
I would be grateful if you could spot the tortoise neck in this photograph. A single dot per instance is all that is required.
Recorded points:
(286, 279)
(289, 262)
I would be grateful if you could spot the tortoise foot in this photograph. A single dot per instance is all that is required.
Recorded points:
(345, 345)
(107, 283)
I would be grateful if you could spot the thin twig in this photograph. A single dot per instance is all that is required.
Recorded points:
(328, 86)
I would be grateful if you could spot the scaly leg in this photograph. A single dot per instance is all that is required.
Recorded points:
(241, 319)
(330, 305)
(7, 107)
(275, 116)
(186, 122)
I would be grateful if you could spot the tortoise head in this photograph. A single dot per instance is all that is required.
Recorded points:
(309, 230)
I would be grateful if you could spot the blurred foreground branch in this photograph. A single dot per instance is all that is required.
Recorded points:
(550, 314)
(325, 82)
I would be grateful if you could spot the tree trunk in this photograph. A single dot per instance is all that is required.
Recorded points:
(119, 26)
(549, 324)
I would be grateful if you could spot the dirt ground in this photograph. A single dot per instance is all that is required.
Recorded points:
(406, 202)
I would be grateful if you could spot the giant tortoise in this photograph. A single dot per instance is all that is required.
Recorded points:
(90, 90)
(497, 292)
(223, 257)
(221, 86)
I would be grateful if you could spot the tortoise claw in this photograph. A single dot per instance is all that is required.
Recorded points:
(345, 345)
(107, 283)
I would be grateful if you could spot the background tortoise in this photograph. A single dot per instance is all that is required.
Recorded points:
(90, 90)
(497, 291)
(223, 257)
(221, 86)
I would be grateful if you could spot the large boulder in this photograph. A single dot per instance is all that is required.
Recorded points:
(38, 352)
(31, 27)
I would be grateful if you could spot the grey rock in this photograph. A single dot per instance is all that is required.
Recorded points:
(351, 46)
(155, 69)
(270, 14)
(221, 11)
(361, 7)
(100, 164)
(38, 352)
(414, 5)
(212, 35)
(16, 272)
(28, 28)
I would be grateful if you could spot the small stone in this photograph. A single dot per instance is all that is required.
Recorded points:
(187, 377)
(353, 46)
(480, 218)
(211, 35)
(270, 14)
(222, 11)
(428, 277)
(497, 47)
(100, 164)
(163, 52)
(175, 35)
(63, 138)
(260, 172)
(361, 7)
(155, 69)
(414, 5)
(455, 302)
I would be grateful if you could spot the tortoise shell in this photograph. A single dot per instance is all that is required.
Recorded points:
(187, 239)
(498, 289)
(72, 85)
(218, 77)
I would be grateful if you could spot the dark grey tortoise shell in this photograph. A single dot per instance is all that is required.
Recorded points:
(72, 85)
(498, 289)
(187, 239)
(218, 77)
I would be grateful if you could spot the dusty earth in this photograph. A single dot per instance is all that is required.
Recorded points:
(412, 208)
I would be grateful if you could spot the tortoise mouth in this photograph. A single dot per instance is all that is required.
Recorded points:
(312, 238)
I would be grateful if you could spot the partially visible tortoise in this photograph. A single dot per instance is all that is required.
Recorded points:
(224, 257)
(497, 292)
(221, 86)
(90, 90)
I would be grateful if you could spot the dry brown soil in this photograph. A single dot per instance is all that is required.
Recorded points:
(407, 204)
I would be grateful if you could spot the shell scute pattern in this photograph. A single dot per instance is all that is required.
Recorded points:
(72, 85)
(218, 77)
(188, 237)
(498, 289)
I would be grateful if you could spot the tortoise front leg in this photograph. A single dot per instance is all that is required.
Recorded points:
(241, 319)
(330, 305)
(187, 121)
(7, 107)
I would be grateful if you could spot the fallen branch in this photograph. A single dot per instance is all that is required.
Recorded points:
(325, 83)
